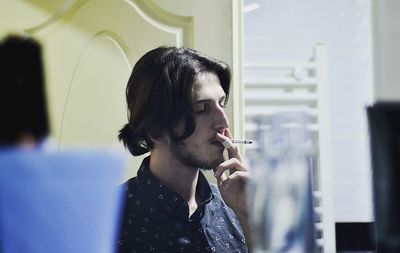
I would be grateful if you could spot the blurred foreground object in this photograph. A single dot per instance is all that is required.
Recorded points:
(384, 126)
(59, 202)
(280, 191)
(23, 106)
(64, 202)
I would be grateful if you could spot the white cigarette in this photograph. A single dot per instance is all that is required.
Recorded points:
(242, 141)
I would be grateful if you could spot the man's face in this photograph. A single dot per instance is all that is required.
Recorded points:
(201, 149)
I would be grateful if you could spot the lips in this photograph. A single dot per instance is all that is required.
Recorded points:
(217, 143)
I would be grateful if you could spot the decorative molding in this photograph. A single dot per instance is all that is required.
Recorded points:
(120, 45)
(181, 26)
(68, 8)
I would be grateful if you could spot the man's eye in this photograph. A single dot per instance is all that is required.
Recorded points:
(223, 105)
(199, 109)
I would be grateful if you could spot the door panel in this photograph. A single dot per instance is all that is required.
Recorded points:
(98, 96)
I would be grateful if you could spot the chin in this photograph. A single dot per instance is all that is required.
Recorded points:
(210, 163)
(214, 164)
(206, 159)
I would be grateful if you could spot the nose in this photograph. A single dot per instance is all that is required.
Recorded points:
(221, 121)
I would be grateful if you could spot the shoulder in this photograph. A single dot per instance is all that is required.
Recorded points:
(131, 192)
(130, 185)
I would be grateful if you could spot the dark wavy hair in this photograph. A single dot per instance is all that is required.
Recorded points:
(23, 106)
(159, 95)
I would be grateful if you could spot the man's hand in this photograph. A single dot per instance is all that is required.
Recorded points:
(232, 187)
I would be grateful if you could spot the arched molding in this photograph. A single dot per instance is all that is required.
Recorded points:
(123, 51)
(180, 26)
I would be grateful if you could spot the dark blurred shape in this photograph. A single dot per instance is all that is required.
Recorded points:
(355, 236)
(384, 126)
(23, 108)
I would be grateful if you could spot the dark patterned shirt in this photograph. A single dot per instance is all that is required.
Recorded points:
(156, 219)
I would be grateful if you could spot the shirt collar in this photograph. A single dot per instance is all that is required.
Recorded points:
(166, 200)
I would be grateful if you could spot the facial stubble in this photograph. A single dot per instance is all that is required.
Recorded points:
(186, 156)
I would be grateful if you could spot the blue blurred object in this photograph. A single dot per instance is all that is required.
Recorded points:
(280, 185)
(67, 202)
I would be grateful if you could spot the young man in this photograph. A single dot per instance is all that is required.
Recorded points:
(176, 99)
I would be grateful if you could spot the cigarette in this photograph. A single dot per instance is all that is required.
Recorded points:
(242, 141)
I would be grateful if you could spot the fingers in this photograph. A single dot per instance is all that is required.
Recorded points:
(233, 179)
(227, 144)
(232, 164)
(233, 151)
(228, 133)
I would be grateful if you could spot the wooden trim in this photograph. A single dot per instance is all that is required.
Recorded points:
(237, 91)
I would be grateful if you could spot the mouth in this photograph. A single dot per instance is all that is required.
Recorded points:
(217, 144)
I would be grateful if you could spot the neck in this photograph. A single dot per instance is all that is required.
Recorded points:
(175, 175)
